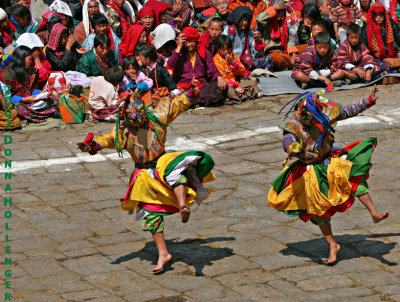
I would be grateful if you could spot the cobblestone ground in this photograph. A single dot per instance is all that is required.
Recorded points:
(72, 242)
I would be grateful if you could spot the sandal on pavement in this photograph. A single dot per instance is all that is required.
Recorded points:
(185, 214)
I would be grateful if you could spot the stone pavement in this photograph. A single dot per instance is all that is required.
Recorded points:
(72, 242)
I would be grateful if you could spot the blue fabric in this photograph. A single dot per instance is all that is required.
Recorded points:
(143, 86)
(36, 92)
(16, 99)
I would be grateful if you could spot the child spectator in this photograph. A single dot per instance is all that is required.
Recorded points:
(232, 70)
(324, 7)
(319, 26)
(25, 22)
(355, 59)
(100, 25)
(313, 67)
(104, 99)
(135, 34)
(96, 61)
(61, 50)
(133, 77)
(344, 14)
(210, 36)
(309, 13)
(158, 73)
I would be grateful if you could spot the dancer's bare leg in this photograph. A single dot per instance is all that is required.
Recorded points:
(163, 255)
(334, 247)
(367, 202)
(180, 194)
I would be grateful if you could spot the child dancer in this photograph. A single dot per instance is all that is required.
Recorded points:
(232, 70)
(162, 183)
(324, 180)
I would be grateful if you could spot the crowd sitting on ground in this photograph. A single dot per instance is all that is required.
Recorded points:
(162, 48)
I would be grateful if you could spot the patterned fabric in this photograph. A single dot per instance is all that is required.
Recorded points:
(102, 64)
(80, 34)
(265, 62)
(250, 87)
(322, 189)
(345, 14)
(375, 40)
(114, 19)
(359, 57)
(202, 3)
(143, 144)
(310, 60)
(29, 29)
(230, 73)
(55, 36)
(153, 223)
(4, 120)
(35, 115)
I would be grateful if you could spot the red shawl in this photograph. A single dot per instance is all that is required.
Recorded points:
(375, 41)
(159, 8)
(125, 20)
(205, 39)
(275, 32)
(130, 39)
(193, 35)
(6, 36)
(145, 11)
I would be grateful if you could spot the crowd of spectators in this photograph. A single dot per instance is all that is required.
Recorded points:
(162, 48)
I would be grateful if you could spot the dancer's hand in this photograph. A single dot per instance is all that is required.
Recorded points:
(85, 147)
(372, 98)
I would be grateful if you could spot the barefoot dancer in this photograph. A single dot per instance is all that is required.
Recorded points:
(162, 183)
(324, 179)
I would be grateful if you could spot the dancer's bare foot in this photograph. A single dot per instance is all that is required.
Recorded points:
(334, 249)
(379, 216)
(162, 260)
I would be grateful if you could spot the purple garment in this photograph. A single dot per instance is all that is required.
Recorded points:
(204, 70)
(140, 78)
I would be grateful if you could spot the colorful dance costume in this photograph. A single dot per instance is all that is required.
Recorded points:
(143, 132)
(324, 179)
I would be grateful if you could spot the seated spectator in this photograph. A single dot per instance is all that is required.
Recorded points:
(344, 14)
(161, 11)
(96, 61)
(7, 30)
(133, 77)
(324, 7)
(382, 36)
(191, 60)
(61, 50)
(158, 73)
(138, 48)
(42, 65)
(355, 59)
(238, 30)
(314, 66)
(104, 100)
(25, 22)
(84, 28)
(256, 6)
(100, 25)
(274, 32)
(164, 41)
(147, 17)
(120, 15)
(22, 79)
(59, 13)
(364, 7)
(319, 26)
(219, 10)
(11, 116)
(240, 89)
(182, 15)
(135, 34)
(309, 14)
(210, 36)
